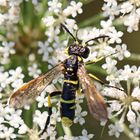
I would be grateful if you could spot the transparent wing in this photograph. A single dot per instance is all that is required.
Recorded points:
(28, 92)
(96, 104)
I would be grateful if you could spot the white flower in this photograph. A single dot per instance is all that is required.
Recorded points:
(54, 6)
(17, 84)
(53, 55)
(34, 71)
(53, 22)
(125, 74)
(135, 105)
(22, 129)
(50, 133)
(79, 115)
(124, 105)
(130, 73)
(115, 36)
(126, 7)
(49, 21)
(122, 51)
(85, 135)
(115, 106)
(107, 26)
(132, 21)
(40, 118)
(5, 51)
(73, 9)
(115, 129)
(9, 117)
(88, 33)
(129, 9)
(44, 49)
(131, 116)
(71, 24)
(109, 65)
(8, 133)
(15, 78)
(55, 117)
(136, 126)
(3, 79)
(15, 74)
(13, 117)
(42, 100)
(110, 9)
(136, 93)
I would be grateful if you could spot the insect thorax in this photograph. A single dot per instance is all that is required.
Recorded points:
(78, 50)
(71, 67)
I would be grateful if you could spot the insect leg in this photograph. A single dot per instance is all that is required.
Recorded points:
(55, 93)
(94, 61)
(102, 82)
(98, 59)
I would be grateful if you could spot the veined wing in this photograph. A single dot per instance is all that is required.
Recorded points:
(96, 104)
(28, 92)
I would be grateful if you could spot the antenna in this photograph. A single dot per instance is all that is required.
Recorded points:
(96, 38)
(77, 35)
(63, 26)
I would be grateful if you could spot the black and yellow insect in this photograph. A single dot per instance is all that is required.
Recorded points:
(75, 74)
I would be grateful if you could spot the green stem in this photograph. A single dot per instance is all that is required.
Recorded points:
(134, 57)
(129, 134)
(128, 86)
(67, 131)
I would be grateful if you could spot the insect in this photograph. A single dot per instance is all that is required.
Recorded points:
(75, 73)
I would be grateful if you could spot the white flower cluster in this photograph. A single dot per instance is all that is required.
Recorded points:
(6, 49)
(59, 15)
(103, 47)
(13, 78)
(128, 11)
(55, 16)
(79, 114)
(124, 104)
(10, 121)
(54, 54)
(11, 13)
(33, 69)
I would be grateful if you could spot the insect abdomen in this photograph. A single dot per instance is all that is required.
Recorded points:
(69, 89)
(68, 104)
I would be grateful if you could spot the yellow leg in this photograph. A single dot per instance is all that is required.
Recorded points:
(49, 109)
(49, 100)
(96, 78)
(94, 61)
(102, 82)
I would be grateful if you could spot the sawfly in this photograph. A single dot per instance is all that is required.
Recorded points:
(75, 74)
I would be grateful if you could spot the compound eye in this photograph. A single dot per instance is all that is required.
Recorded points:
(86, 52)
